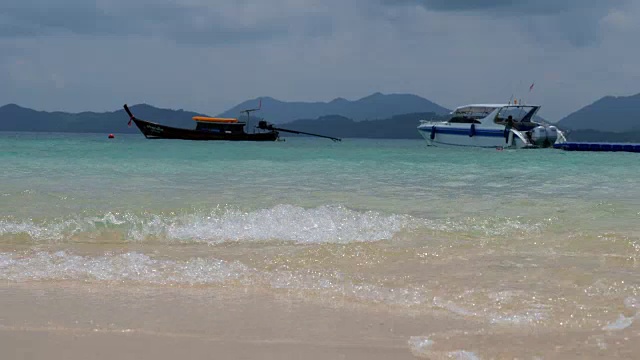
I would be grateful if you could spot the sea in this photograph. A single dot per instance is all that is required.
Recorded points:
(517, 241)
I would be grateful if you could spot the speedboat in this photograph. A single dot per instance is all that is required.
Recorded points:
(492, 126)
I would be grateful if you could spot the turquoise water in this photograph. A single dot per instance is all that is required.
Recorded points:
(57, 176)
(540, 238)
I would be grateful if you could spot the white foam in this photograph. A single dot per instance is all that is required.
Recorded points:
(135, 267)
(325, 224)
(452, 307)
(624, 322)
(621, 323)
(128, 267)
(526, 318)
(462, 355)
(492, 226)
(422, 346)
(138, 268)
(632, 303)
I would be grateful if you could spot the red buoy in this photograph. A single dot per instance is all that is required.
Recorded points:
(111, 136)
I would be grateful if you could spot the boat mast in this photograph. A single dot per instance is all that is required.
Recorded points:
(248, 112)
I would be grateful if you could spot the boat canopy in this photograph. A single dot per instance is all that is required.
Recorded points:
(482, 110)
(474, 111)
(519, 113)
(213, 119)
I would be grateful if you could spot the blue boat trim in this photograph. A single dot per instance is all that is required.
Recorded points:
(477, 132)
(470, 146)
(605, 147)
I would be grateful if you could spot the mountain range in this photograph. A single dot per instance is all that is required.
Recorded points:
(375, 116)
(17, 118)
(396, 127)
(375, 106)
(613, 114)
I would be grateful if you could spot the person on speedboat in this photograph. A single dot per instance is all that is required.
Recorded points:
(510, 122)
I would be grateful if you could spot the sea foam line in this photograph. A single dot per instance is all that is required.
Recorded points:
(139, 268)
(324, 224)
(422, 346)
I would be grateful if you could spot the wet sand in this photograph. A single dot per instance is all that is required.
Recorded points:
(71, 321)
(77, 322)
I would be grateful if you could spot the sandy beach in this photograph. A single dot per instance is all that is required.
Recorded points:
(78, 322)
(70, 321)
(369, 250)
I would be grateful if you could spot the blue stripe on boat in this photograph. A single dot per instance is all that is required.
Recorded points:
(478, 132)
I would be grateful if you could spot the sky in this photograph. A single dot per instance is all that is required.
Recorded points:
(207, 56)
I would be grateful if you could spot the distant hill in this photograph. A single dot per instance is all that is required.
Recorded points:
(609, 114)
(376, 106)
(375, 116)
(397, 127)
(17, 118)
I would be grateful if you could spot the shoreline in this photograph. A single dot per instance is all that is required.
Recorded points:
(97, 321)
(62, 321)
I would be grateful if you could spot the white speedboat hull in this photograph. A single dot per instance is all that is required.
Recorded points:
(484, 126)
(460, 137)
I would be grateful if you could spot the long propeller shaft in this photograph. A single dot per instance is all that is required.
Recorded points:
(266, 126)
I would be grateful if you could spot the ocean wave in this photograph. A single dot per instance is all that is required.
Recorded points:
(325, 224)
(126, 267)
(288, 223)
(136, 268)
(139, 268)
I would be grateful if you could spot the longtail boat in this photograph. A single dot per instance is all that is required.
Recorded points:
(214, 128)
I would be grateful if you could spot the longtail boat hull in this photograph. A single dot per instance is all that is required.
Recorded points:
(210, 129)
(157, 131)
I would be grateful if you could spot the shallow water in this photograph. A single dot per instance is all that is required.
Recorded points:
(530, 239)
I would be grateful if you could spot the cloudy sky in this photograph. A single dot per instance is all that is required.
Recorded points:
(207, 56)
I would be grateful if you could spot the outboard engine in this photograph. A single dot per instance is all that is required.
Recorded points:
(544, 136)
(538, 135)
(552, 135)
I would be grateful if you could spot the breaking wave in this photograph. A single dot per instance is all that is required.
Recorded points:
(139, 268)
(324, 224)
(136, 268)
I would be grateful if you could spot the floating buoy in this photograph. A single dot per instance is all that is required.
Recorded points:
(111, 136)
(584, 146)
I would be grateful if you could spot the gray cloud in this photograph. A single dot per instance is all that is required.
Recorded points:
(546, 21)
(520, 7)
(194, 54)
(191, 22)
(201, 22)
(32, 17)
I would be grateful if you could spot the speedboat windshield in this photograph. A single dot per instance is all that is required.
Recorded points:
(517, 113)
(473, 112)
(470, 114)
